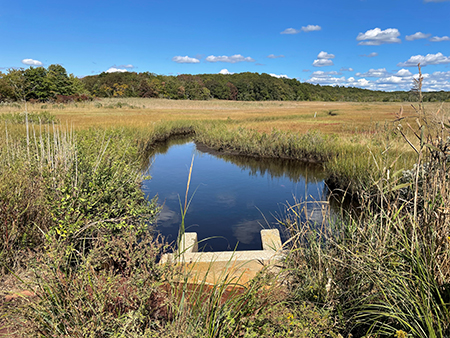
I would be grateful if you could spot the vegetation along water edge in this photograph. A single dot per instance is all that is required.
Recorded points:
(77, 232)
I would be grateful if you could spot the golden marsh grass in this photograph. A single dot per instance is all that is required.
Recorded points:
(343, 118)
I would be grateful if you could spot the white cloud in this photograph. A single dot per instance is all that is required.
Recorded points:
(371, 55)
(31, 62)
(381, 84)
(439, 39)
(323, 59)
(306, 29)
(343, 69)
(185, 59)
(374, 73)
(280, 76)
(311, 28)
(230, 59)
(436, 81)
(116, 70)
(291, 31)
(417, 36)
(403, 73)
(225, 72)
(325, 55)
(322, 63)
(429, 59)
(327, 80)
(273, 56)
(321, 73)
(362, 83)
(391, 80)
(376, 37)
(402, 80)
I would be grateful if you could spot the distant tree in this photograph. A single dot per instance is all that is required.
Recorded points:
(38, 86)
(12, 85)
(59, 82)
(16, 84)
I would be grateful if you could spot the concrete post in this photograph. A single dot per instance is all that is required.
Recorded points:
(188, 243)
(271, 239)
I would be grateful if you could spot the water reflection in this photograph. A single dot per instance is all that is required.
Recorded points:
(272, 167)
(247, 231)
(235, 196)
(168, 218)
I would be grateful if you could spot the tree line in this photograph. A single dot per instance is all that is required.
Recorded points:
(40, 84)
(54, 83)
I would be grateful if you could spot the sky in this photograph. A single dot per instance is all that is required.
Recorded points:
(372, 44)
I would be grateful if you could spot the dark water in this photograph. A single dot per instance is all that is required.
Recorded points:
(235, 197)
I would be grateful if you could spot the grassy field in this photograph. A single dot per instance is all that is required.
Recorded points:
(329, 117)
(75, 228)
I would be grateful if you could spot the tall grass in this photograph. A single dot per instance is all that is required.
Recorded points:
(60, 187)
(385, 273)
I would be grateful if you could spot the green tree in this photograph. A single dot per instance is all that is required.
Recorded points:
(38, 86)
(59, 82)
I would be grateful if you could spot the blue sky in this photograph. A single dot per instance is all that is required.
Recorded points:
(373, 44)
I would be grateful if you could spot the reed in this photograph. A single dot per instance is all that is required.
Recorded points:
(384, 272)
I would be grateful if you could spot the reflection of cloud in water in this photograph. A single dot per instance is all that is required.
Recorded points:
(250, 204)
(246, 231)
(167, 217)
(173, 196)
(226, 199)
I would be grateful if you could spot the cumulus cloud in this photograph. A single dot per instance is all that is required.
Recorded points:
(402, 80)
(417, 36)
(327, 80)
(321, 73)
(437, 81)
(291, 31)
(116, 70)
(374, 73)
(429, 59)
(225, 72)
(280, 76)
(306, 29)
(376, 37)
(325, 55)
(404, 73)
(230, 59)
(371, 55)
(323, 59)
(439, 39)
(343, 69)
(388, 83)
(391, 80)
(185, 59)
(311, 28)
(322, 63)
(31, 62)
(273, 56)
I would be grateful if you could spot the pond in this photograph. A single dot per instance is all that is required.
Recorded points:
(233, 197)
